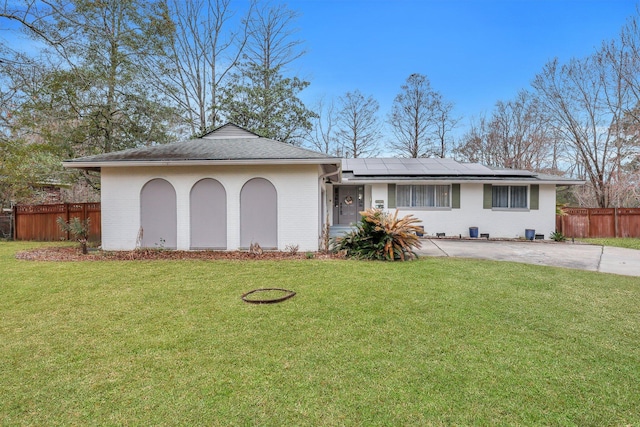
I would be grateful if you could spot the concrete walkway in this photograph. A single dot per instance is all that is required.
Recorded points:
(604, 259)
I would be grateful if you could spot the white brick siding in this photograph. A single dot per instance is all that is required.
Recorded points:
(498, 223)
(296, 185)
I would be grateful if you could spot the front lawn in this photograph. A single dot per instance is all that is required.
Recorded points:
(620, 242)
(430, 342)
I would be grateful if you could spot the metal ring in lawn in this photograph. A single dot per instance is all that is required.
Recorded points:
(287, 294)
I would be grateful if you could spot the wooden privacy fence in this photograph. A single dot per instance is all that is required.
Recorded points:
(40, 222)
(599, 222)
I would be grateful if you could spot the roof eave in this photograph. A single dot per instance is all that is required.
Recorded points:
(242, 162)
(463, 178)
(571, 182)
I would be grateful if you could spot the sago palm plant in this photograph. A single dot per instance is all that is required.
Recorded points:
(381, 236)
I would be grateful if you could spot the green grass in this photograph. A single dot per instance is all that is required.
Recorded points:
(620, 242)
(431, 342)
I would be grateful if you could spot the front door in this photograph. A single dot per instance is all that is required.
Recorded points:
(349, 201)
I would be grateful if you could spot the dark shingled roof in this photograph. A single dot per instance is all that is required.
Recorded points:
(228, 142)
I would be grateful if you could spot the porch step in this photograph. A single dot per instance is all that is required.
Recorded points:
(339, 230)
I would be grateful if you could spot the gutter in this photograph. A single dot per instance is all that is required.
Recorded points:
(461, 179)
(142, 163)
(328, 174)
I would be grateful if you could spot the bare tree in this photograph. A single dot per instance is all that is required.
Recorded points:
(359, 128)
(33, 16)
(204, 49)
(625, 189)
(587, 101)
(444, 122)
(412, 117)
(322, 136)
(624, 55)
(517, 136)
(475, 146)
(272, 42)
(521, 131)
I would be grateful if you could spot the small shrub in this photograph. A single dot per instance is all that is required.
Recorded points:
(292, 249)
(255, 249)
(309, 255)
(557, 236)
(161, 246)
(78, 228)
(381, 236)
(325, 239)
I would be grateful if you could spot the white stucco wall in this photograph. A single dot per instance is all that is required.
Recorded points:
(498, 223)
(296, 185)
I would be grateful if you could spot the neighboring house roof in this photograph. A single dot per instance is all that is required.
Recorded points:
(228, 144)
(421, 169)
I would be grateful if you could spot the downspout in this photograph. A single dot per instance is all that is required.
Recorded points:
(323, 214)
(324, 175)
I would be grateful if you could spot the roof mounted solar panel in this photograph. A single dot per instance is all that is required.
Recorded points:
(427, 167)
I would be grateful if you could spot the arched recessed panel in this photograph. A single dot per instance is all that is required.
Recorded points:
(208, 207)
(259, 214)
(158, 217)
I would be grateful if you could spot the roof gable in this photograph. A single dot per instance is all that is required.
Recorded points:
(228, 131)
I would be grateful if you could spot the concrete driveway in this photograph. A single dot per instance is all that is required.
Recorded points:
(604, 259)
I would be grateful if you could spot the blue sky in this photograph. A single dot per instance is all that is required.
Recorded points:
(475, 52)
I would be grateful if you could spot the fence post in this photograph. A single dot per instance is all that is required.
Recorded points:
(13, 231)
(67, 215)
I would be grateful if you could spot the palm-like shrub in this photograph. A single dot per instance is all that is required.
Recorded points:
(381, 236)
(78, 228)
